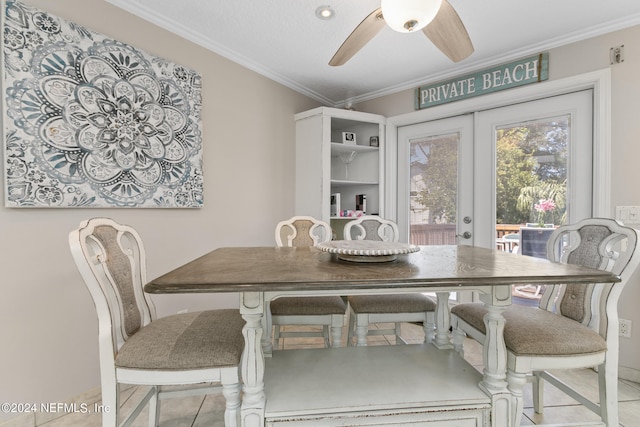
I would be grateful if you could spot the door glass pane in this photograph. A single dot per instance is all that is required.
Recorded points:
(433, 189)
(531, 189)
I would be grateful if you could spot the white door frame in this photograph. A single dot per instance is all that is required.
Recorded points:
(599, 81)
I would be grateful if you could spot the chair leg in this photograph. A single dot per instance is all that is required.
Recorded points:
(537, 383)
(362, 329)
(337, 322)
(231, 392)
(267, 328)
(325, 335)
(352, 325)
(397, 331)
(608, 385)
(457, 339)
(110, 401)
(276, 336)
(516, 382)
(154, 408)
(429, 326)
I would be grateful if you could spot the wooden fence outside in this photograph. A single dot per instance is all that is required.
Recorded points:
(445, 234)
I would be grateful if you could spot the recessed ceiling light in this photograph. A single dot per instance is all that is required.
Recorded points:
(325, 12)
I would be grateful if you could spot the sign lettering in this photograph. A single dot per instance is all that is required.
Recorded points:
(518, 73)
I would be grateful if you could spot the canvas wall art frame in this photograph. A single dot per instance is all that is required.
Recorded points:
(90, 121)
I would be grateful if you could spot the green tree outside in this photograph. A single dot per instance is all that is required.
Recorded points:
(439, 166)
(531, 165)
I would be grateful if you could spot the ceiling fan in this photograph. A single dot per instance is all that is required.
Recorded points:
(437, 18)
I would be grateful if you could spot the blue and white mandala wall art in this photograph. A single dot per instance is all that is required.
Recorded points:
(94, 122)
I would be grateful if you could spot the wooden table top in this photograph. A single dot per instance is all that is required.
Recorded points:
(251, 269)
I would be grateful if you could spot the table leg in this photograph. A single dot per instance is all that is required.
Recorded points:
(494, 356)
(252, 364)
(443, 322)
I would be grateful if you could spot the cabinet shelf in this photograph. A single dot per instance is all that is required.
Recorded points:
(337, 147)
(346, 218)
(337, 183)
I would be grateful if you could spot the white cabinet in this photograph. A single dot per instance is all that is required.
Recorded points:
(323, 167)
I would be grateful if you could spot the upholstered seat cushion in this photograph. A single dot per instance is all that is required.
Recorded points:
(186, 341)
(534, 331)
(392, 303)
(308, 306)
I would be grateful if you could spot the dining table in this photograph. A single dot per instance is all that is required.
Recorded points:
(427, 384)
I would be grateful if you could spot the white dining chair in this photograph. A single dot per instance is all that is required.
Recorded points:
(325, 311)
(574, 326)
(389, 308)
(135, 347)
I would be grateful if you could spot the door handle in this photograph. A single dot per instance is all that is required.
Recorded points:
(465, 235)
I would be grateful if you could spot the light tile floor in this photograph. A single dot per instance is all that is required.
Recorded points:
(560, 410)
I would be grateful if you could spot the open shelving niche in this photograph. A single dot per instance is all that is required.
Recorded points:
(320, 172)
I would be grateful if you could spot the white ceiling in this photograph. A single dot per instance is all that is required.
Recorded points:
(284, 41)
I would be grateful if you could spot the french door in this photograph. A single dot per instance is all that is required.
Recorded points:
(466, 178)
(435, 185)
(452, 171)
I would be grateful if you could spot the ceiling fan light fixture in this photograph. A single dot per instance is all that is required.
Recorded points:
(406, 16)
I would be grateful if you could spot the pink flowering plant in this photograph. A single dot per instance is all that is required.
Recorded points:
(542, 207)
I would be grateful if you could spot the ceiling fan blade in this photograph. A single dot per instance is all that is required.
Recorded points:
(448, 33)
(365, 31)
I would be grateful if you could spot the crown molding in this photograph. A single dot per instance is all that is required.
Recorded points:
(188, 34)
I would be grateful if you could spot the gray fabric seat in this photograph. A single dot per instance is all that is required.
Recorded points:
(533, 331)
(308, 306)
(186, 341)
(392, 303)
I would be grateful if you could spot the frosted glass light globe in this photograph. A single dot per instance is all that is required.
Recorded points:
(406, 16)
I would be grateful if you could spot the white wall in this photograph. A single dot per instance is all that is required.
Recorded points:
(48, 333)
(574, 59)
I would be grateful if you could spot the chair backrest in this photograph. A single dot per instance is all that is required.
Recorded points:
(111, 260)
(599, 243)
(302, 231)
(371, 227)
